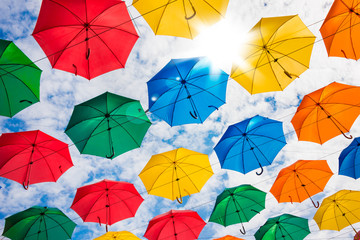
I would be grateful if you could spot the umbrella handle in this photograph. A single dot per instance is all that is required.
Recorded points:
(26, 187)
(315, 205)
(193, 15)
(243, 231)
(291, 199)
(287, 74)
(193, 115)
(348, 137)
(180, 200)
(262, 170)
(255, 211)
(213, 107)
(24, 100)
(75, 69)
(99, 221)
(88, 54)
(113, 153)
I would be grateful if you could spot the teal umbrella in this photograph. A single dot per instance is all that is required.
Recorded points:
(19, 80)
(237, 205)
(284, 227)
(108, 125)
(39, 223)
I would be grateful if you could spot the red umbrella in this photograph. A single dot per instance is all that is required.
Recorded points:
(106, 202)
(175, 225)
(33, 157)
(85, 37)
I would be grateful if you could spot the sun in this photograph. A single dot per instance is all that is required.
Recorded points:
(221, 42)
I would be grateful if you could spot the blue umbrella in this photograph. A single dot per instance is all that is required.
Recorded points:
(187, 90)
(349, 160)
(250, 144)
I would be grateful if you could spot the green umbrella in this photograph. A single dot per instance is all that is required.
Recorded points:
(39, 223)
(19, 80)
(284, 227)
(108, 125)
(237, 205)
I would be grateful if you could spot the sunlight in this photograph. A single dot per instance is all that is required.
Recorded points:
(222, 43)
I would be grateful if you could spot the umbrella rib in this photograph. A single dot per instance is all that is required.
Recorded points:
(121, 200)
(187, 175)
(66, 47)
(72, 13)
(272, 138)
(46, 161)
(276, 31)
(332, 93)
(206, 90)
(30, 65)
(349, 211)
(337, 30)
(230, 148)
(90, 211)
(58, 224)
(90, 135)
(287, 55)
(108, 28)
(131, 136)
(7, 94)
(157, 178)
(162, 14)
(287, 39)
(7, 72)
(259, 151)
(271, 67)
(32, 224)
(213, 8)
(189, 227)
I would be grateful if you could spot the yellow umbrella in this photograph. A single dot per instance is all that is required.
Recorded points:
(339, 210)
(278, 51)
(123, 235)
(177, 173)
(180, 18)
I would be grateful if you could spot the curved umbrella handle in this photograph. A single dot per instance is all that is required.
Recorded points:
(193, 115)
(348, 137)
(193, 15)
(243, 231)
(213, 107)
(75, 69)
(113, 153)
(99, 221)
(24, 100)
(26, 187)
(315, 205)
(291, 199)
(261, 172)
(180, 200)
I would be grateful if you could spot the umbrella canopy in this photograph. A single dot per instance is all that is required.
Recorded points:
(177, 173)
(187, 90)
(181, 18)
(285, 227)
(123, 235)
(33, 157)
(357, 236)
(339, 211)
(228, 237)
(340, 30)
(349, 160)
(250, 144)
(106, 202)
(237, 205)
(108, 125)
(20, 80)
(327, 113)
(88, 38)
(175, 225)
(277, 52)
(301, 180)
(39, 223)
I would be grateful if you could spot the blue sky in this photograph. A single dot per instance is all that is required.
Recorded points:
(60, 91)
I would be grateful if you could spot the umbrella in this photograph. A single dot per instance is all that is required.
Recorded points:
(175, 225)
(228, 237)
(327, 113)
(123, 235)
(33, 157)
(106, 202)
(108, 125)
(20, 80)
(340, 30)
(357, 236)
(250, 144)
(176, 173)
(277, 52)
(339, 211)
(237, 205)
(181, 18)
(301, 180)
(39, 223)
(349, 160)
(187, 90)
(87, 38)
(285, 227)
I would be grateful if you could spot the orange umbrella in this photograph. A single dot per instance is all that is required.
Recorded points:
(228, 237)
(301, 180)
(341, 29)
(327, 113)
